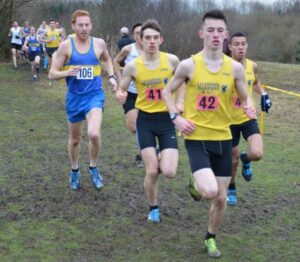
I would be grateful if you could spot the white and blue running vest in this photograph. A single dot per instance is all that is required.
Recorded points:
(131, 56)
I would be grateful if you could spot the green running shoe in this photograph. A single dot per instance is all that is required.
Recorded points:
(211, 247)
(194, 193)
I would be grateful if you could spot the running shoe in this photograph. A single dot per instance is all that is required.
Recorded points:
(194, 193)
(246, 169)
(34, 77)
(96, 178)
(211, 247)
(154, 215)
(231, 197)
(74, 180)
(139, 161)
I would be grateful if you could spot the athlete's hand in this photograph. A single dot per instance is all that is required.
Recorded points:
(250, 111)
(121, 96)
(73, 71)
(113, 83)
(265, 103)
(185, 126)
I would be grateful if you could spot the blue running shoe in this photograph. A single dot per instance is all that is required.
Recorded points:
(154, 215)
(246, 169)
(74, 180)
(231, 197)
(45, 62)
(96, 178)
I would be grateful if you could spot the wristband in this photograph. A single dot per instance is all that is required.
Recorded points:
(173, 116)
(112, 76)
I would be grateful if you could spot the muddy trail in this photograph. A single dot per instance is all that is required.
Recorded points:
(41, 219)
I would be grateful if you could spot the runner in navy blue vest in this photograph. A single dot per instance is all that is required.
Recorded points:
(33, 48)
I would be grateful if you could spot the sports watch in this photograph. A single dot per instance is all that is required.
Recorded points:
(173, 116)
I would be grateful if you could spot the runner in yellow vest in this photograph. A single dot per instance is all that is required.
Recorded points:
(210, 79)
(240, 122)
(52, 39)
(151, 72)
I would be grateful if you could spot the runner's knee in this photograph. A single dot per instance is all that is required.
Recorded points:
(75, 140)
(256, 154)
(94, 136)
(152, 171)
(168, 172)
(131, 127)
(207, 192)
(220, 201)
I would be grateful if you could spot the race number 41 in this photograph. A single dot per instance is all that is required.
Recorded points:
(85, 73)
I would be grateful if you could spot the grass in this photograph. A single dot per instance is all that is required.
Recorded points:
(42, 220)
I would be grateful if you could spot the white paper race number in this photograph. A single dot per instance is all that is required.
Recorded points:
(85, 73)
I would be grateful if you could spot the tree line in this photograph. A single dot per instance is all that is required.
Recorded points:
(273, 30)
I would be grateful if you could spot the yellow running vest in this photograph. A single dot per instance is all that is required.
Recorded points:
(238, 115)
(53, 36)
(208, 100)
(149, 84)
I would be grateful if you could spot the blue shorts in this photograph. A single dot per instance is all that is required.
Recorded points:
(77, 106)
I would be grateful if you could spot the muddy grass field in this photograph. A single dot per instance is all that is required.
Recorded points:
(41, 219)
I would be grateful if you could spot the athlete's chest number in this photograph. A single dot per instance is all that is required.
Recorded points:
(236, 102)
(207, 103)
(85, 73)
(52, 38)
(153, 94)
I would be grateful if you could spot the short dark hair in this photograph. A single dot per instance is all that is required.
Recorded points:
(215, 14)
(135, 26)
(236, 34)
(52, 20)
(152, 24)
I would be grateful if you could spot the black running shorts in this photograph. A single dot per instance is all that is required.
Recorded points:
(210, 154)
(15, 46)
(50, 50)
(32, 55)
(130, 102)
(156, 125)
(247, 129)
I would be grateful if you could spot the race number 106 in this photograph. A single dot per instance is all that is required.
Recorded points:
(85, 73)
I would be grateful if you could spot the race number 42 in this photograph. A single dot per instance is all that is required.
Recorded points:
(207, 103)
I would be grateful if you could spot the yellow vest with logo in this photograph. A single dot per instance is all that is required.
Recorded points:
(238, 115)
(208, 100)
(150, 83)
(53, 36)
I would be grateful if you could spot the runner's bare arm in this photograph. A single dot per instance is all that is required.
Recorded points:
(179, 78)
(107, 62)
(182, 74)
(180, 98)
(58, 60)
(128, 74)
(24, 47)
(119, 58)
(256, 85)
(173, 61)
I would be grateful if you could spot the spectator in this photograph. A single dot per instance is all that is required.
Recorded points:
(125, 38)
